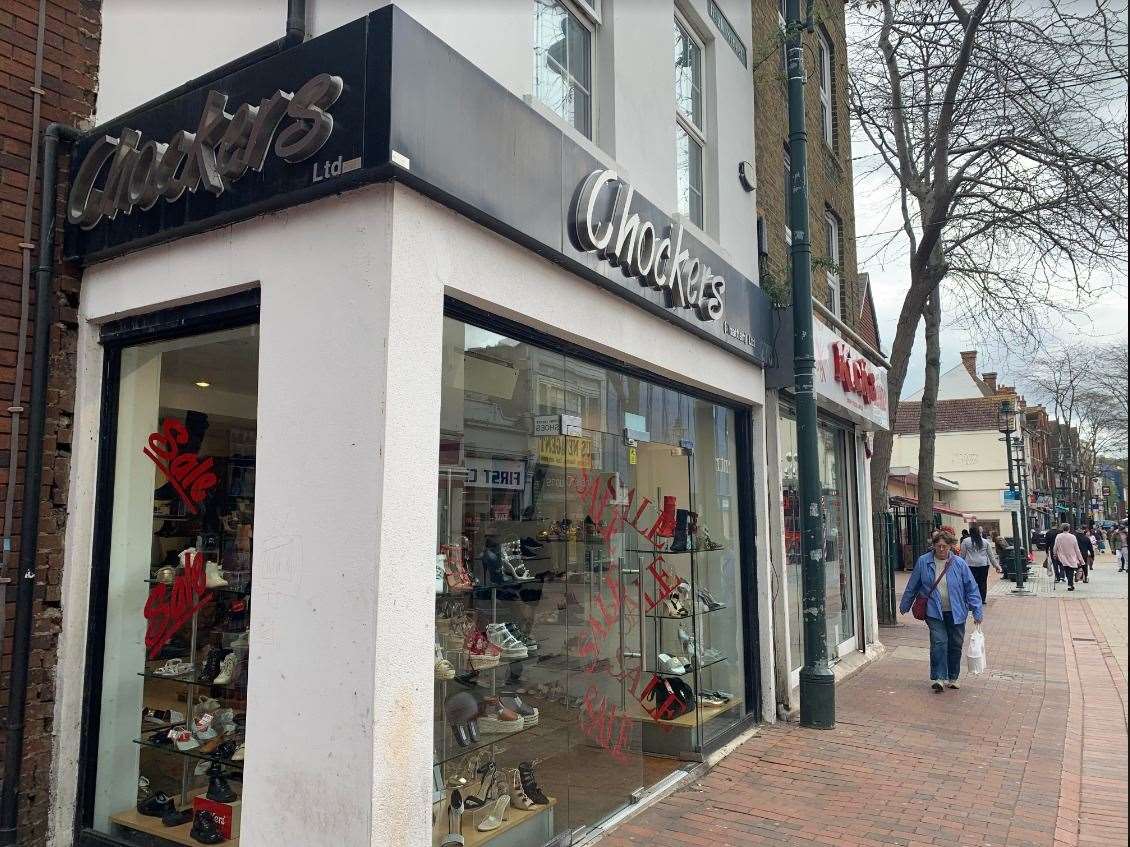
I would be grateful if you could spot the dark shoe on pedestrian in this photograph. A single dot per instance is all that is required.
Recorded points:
(953, 684)
(1071, 588)
(937, 686)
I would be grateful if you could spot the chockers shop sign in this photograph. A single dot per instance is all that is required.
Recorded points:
(638, 247)
(130, 171)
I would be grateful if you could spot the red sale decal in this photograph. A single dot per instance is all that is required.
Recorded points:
(171, 607)
(191, 477)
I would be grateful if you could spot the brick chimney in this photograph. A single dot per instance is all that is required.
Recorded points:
(990, 380)
(969, 359)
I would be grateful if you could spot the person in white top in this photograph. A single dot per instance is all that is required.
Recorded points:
(979, 555)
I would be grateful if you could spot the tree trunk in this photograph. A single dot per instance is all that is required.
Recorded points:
(912, 308)
(929, 416)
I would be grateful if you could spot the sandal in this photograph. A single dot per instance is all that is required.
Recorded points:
(518, 797)
(443, 668)
(175, 667)
(498, 814)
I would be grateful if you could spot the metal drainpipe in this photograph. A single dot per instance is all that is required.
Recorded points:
(33, 476)
(26, 246)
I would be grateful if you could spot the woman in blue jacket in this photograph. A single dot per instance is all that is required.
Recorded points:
(947, 606)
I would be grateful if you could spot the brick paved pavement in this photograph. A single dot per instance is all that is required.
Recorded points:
(1032, 754)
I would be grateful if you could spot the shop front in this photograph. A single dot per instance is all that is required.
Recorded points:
(851, 404)
(419, 513)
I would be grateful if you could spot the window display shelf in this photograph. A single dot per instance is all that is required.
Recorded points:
(516, 818)
(676, 552)
(192, 680)
(219, 589)
(530, 733)
(133, 819)
(707, 713)
(194, 753)
(691, 669)
(685, 617)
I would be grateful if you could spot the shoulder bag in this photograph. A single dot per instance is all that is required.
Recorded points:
(918, 608)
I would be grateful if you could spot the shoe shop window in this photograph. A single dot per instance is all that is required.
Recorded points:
(587, 580)
(171, 717)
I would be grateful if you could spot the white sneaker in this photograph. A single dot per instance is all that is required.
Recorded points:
(227, 670)
(214, 575)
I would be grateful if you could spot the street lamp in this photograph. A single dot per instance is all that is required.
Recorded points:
(1006, 424)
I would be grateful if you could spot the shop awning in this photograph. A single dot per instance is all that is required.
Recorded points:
(913, 501)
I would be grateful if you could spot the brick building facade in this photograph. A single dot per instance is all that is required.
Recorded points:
(831, 203)
(67, 40)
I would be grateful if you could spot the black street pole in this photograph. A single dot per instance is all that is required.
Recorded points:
(817, 682)
(1020, 568)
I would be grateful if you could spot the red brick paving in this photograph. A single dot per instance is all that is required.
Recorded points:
(1031, 754)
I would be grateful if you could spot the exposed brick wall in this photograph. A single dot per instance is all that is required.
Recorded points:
(69, 80)
(829, 167)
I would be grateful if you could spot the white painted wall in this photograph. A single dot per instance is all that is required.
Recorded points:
(342, 630)
(954, 384)
(634, 87)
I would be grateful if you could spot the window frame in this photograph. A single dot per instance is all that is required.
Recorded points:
(695, 133)
(827, 101)
(589, 19)
(833, 233)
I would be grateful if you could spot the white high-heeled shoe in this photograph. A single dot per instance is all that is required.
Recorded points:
(498, 814)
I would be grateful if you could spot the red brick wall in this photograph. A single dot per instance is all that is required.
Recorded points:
(70, 59)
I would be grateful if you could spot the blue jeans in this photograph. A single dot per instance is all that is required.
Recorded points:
(946, 638)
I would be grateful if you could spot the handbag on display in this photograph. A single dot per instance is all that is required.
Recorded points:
(918, 608)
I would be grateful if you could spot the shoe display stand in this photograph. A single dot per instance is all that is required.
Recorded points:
(232, 694)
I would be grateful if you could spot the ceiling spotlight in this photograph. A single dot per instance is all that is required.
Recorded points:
(202, 384)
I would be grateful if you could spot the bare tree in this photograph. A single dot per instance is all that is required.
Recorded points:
(991, 118)
(928, 414)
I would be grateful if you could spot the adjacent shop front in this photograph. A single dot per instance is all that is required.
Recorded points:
(852, 404)
(416, 496)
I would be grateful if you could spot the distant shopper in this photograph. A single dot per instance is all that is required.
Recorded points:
(1066, 551)
(1004, 554)
(1099, 539)
(1049, 546)
(1118, 542)
(1087, 548)
(978, 554)
(943, 578)
(964, 534)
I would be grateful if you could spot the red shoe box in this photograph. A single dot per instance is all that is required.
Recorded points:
(226, 814)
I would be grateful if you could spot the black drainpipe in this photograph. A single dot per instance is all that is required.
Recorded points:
(33, 476)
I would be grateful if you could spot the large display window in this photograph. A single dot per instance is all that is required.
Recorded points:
(588, 580)
(170, 701)
(836, 485)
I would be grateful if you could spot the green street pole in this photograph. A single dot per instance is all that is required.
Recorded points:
(817, 682)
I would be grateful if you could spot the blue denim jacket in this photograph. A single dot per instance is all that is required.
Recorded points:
(964, 596)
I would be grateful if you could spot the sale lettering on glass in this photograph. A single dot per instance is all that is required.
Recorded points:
(169, 607)
(191, 477)
(853, 373)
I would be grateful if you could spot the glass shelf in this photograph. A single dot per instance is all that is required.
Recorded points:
(658, 552)
(186, 679)
(489, 739)
(685, 617)
(691, 669)
(194, 753)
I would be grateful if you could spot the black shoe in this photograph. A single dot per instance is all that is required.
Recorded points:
(679, 542)
(156, 806)
(205, 830)
(530, 784)
(219, 790)
(211, 667)
(175, 818)
(938, 687)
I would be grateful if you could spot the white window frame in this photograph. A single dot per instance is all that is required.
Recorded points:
(826, 115)
(589, 18)
(696, 134)
(832, 236)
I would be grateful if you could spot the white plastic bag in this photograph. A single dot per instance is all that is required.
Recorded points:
(975, 652)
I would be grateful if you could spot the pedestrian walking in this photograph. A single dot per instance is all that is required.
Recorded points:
(943, 579)
(1066, 550)
(1004, 556)
(1119, 543)
(1087, 548)
(978, 554)
(1049, 546)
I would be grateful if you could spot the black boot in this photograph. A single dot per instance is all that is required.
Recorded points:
(219, 790)
(205, 829)
(679, 543)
